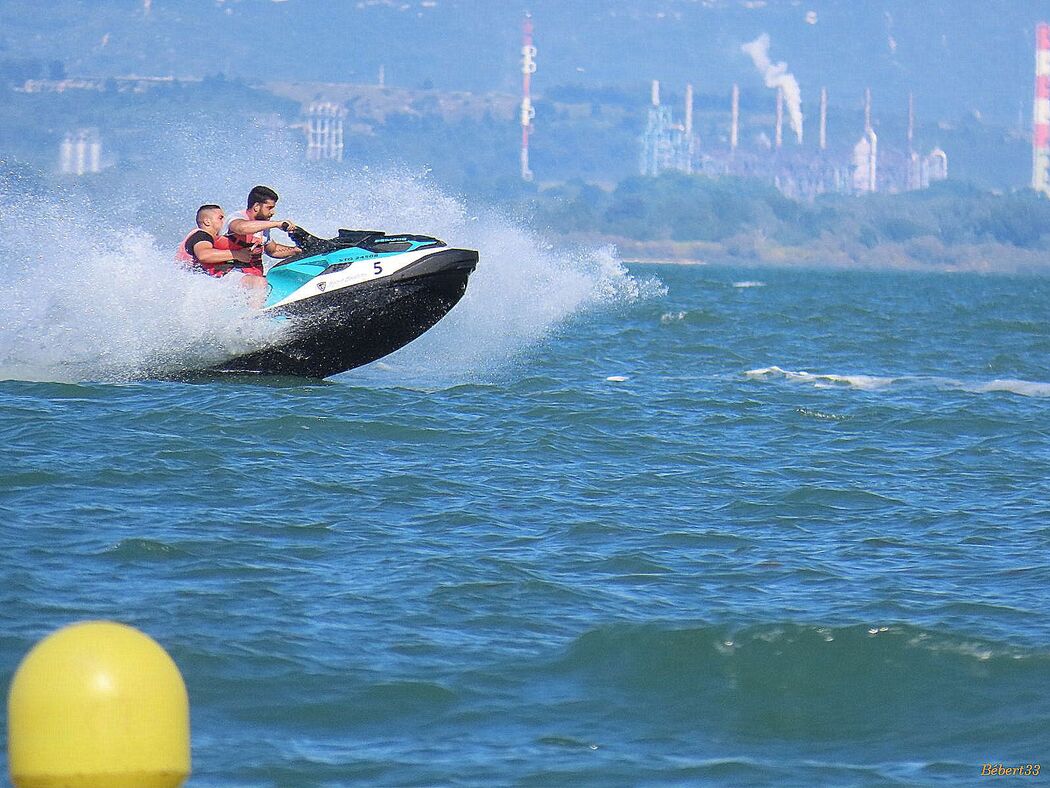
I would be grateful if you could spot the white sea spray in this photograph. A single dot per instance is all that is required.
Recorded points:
(91, 291)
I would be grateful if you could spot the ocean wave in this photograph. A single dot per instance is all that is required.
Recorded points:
(810, 681)
(1024, 388)
(143, 550)
(825, 380)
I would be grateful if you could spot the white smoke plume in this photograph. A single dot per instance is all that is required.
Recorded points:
(776, 75)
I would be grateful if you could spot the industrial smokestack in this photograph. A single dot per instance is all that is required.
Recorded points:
(911, 122)
(734, 124)
(776, 75)
(1041, 111)
(528, 68)
(689, 110)
(873, 144)
(823, 118)
(778, 131)
(873, 160)
(690, 143)
(655, 95)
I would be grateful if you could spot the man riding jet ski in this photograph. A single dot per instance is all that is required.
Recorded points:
(352, 299)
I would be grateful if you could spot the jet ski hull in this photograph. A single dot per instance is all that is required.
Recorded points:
(339, 330)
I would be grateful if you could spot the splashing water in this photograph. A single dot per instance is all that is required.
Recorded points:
(523, 288)
(84, 300)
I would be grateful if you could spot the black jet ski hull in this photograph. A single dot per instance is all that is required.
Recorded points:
(340, 330)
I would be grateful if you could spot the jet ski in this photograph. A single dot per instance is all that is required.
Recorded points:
(354, 298)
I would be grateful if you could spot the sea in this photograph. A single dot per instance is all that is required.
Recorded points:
(607, 524)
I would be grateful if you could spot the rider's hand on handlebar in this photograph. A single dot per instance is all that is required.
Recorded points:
(288, 226)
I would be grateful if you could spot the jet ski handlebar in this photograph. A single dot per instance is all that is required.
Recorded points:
(303, 239)
(310, 244)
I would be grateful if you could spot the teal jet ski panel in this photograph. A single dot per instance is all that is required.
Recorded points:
(326, 255)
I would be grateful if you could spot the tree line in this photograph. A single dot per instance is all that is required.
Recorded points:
(681, 207)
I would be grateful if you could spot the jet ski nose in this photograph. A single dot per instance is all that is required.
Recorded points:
(444, 261)
(457, 258)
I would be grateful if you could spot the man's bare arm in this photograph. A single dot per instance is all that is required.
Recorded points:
(206, 252)
(280, 251)
(252, 226)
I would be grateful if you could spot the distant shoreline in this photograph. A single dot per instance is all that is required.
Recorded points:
(924, 254)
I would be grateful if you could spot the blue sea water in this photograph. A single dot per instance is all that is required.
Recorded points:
(698, 526)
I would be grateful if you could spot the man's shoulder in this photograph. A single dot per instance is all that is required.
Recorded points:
(195, 238)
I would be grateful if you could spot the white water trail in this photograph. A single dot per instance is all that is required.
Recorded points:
(81, 301)
(87, 299)
(524, 287)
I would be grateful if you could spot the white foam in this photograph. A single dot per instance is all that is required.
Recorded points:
(524, 287)
(672, 317)
(748, 283)
(87, 303)
(90, 303)
(617, 379)
(864, 382)
(1025, 388)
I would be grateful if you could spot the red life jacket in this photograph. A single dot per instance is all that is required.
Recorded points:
(231, 241)
(184, 258)
(190, 261)
(256, 242)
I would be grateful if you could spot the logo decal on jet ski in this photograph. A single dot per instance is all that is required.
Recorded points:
(321, 286)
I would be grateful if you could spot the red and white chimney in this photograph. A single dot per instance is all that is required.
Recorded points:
(1041, 111)
(528, 68)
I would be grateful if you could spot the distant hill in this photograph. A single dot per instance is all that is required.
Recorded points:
(451, 72)
(959, 57)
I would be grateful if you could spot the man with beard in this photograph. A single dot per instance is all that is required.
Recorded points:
(250, 228)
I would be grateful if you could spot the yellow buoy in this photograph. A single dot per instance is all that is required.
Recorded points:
(98, 704)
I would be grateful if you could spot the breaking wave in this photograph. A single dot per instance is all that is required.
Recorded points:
(801, 681)
(1024, 388)
(866, 382)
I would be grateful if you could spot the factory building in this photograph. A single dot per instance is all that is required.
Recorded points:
(324, 131)
(667, 145)
(798, 171)
(80, 152)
